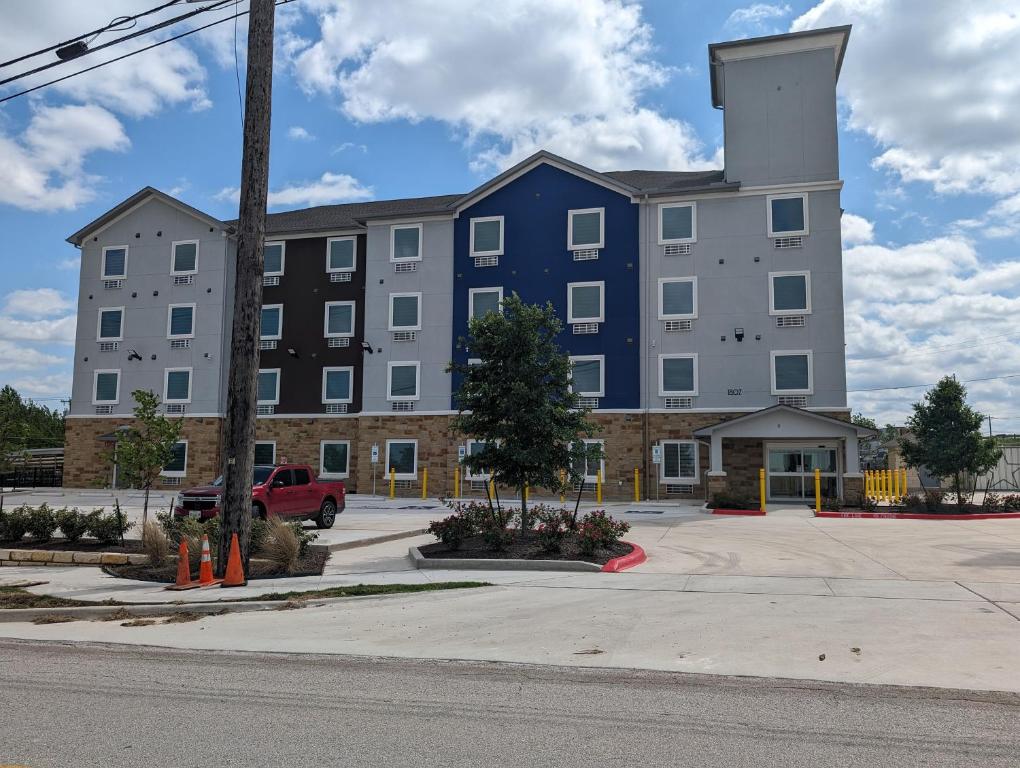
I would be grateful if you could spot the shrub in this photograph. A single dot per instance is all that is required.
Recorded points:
(914, 502)
(832, 504)
(107, 527)
(1011, 502)
(992, 502)
(41, 523)
(933, 499)
(731, 501)
(259, 532)
(282, 545)
(14, 524)
(155, 543)
(72, 524)
(304, 536)
(453, 530)
(598, 530)
(553, 526)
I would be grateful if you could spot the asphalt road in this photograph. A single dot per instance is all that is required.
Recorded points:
(67, 705)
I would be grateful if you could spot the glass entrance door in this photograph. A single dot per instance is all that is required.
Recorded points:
(791, 471)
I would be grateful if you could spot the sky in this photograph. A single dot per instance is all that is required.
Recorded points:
(376, 99)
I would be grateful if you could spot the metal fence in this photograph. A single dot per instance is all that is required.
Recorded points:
(32, 477)
(1005, 476)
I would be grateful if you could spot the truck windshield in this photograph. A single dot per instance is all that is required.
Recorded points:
(261, 475)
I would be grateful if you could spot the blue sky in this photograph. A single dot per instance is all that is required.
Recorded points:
(396, 98)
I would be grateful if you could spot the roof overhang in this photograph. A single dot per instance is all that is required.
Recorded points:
(782, 422)
(138, 199)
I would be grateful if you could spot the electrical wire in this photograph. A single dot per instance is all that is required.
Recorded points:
(967, 344)
(919, 386)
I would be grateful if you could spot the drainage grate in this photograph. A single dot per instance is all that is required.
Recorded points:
(643, 512)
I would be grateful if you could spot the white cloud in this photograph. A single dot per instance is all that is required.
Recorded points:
(46, 386)
(330, 188)
(57, 330)
(756, 15)
(856, 230)
(40, 302)
(297, 133)
(16, 357)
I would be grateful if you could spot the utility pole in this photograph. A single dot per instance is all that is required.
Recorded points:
(239, 429)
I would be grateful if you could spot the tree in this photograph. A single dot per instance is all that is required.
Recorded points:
(947, 439)
(518, 401)
(143, 450)
(25, 425)
(860, 420)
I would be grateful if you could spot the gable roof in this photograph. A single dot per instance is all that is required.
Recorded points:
(139, 198)
(654, 183)
(775, 409)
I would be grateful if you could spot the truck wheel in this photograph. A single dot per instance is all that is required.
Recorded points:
(257, 513)
(327, 514)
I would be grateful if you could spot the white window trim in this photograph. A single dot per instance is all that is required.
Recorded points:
(694, 295)
(468, 474)
(810, 371)
(166, 384)
(807, 293)
(389, 318)
(570, 229)
(276, 399)
(325, 319)
(694, 223)
(268, 442)
(173, 257)
(602, 302)
(95, 386)
(279, 334)
(169, 314)
(498, 251)
(664, 480)
(471, 297)
(768, 212)
(322, 459)
(602, 461)
(354, 247)
(401, 475)
(283, 257)
(663, 392)
(389, 380)
(176, 473)
(99, 324)
(602, 374)
(393, 240)
(102, 263)
(350, 392)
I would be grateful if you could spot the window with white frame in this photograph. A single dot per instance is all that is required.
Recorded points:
(339, 319)
(679, 462)
(586, 302)
(337, 384)
(787, 215)
(114, 266)
(678, 298)
(405, 312)
(588, 375)
(678, 375)
(487, 236)
(178, 465)
(594, 460)
(177, 385)
(180, 321)
(184, 257)
(482, 300)
(678, 223)
(341, 254)
(111, 324)
(792, 372)
(402, 459)
(405, 242)
(265, 452)
(274, 255)
(473, 448)
(403, 379)
(269, 386)
(334, 458)
(272, 322)
(789, 293)
(586, 228)
(106, 387)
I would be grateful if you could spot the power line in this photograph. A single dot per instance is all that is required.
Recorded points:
(967, 343)
(919, 386)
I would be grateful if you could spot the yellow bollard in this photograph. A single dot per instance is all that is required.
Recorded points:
(868, 490)
(424, 482)
(818, 490)
(761, 489)
(598, 486)
(393, 483)
(903, 487)
(492, 488)
(637, 484)
(896, 485)
(456, 482)
(563, 479)
(886, 486)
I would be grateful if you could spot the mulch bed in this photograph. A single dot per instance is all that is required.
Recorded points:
(309, 565)
(130, 546)
(944, 509)
(524, 546)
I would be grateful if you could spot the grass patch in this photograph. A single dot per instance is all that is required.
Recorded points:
(366, 590)
(53, 618)
(16, 597)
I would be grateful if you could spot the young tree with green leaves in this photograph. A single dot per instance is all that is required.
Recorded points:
(518, 402)
(947, 439)
(860, 420)
(143, 450)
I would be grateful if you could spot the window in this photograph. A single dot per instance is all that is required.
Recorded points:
(114, 264)
(405, 311)
(482, 300)
(106, 387)
(272, 321)
(337, 384)
(473, 448)
(403, 380)
(111, 324)
(678, 223)
(678, 298)
(594, 461)
(405, 242)
(184, 257)
(789, 293)
(678, 375)
(587, 377)
(585, 228)
(180, 321)
(791, 372)
(339, 320)
(586, 302)
(177, 385)
(340, 254)
(274, 255)
(269, 386)
(787, 215)
(177, 466)
(402, 459)
(334, 458)
(301, 476)
(679, 462)
(487, 236)
(265, 452)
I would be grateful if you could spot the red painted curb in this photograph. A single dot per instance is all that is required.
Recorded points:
(917, 516)
(635, 557)
(745, 512)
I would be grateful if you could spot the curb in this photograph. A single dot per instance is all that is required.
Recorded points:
(635, 557)
(375, 540)
(916, 516)
(479, 564)
(742, 512)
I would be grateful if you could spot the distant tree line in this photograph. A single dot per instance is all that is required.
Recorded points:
(25, 424)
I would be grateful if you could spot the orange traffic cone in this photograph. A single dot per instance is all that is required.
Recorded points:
(183, 569)
(234, 577)
(205, 574)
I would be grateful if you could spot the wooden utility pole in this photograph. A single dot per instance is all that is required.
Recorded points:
(239, 429)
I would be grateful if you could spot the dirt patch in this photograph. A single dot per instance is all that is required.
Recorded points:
(54, 618)
(524, 546)
(130, 546)
(139, 623)
(16, 597)
(310, 565)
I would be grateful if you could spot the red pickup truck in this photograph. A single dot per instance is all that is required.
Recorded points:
(286, 490)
